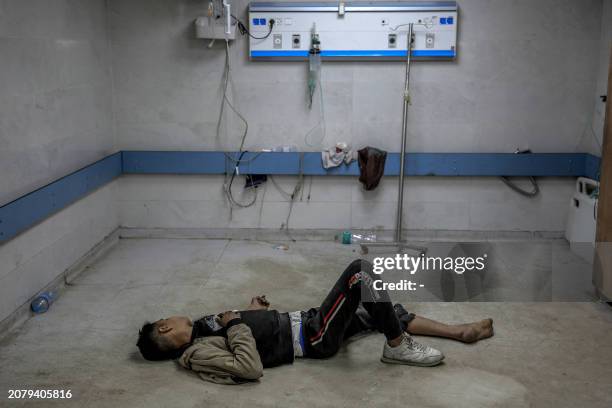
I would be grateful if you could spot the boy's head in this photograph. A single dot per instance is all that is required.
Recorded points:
(165, 339)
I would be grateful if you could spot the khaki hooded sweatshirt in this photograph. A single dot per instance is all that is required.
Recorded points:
(234, 360)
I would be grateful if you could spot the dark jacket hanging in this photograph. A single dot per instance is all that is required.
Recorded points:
(371, 166)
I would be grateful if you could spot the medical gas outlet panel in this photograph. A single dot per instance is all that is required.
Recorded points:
(353, 30)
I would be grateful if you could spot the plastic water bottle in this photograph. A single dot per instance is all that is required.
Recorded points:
(351, 238)
(361, 238)
(43, 301)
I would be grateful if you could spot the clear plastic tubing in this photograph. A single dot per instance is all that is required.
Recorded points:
(314, 68)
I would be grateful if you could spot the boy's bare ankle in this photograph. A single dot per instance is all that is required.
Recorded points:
(395, 342)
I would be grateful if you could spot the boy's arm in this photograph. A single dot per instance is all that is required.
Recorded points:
(239, 358)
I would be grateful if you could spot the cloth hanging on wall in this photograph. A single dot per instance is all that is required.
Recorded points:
(334, 156)
(371, 166)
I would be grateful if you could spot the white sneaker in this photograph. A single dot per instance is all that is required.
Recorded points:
(412, 353)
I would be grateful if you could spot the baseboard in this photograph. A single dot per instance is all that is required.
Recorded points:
(23, 312)
(331, 234)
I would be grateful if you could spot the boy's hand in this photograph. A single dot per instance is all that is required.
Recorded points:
(226, 317)
(259, 303)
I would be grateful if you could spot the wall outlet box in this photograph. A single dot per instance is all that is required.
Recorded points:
(355, 31)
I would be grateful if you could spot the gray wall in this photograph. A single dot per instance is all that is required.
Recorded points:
(32, 260)
(594, 135)
(431, 203)
(55, 91)
(525, 77)
(55, 116)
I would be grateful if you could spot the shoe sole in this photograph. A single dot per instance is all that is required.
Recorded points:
(392, 361)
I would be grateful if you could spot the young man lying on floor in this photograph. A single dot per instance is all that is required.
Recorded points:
(234, 347)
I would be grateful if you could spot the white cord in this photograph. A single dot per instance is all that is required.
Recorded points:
(227, 183)
(225, 100)
(233, 202)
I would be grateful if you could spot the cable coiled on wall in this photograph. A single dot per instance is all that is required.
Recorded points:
(536, 189)
(532, 193)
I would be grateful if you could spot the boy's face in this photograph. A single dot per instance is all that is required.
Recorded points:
(176, 329)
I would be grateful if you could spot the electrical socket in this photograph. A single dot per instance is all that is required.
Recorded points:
(429, 40)
(296, 41)
(277, 40)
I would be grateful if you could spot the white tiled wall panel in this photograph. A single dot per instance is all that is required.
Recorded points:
(512, 86)
(36, 257)
(55, 116)
(56, 93)
(441, 203)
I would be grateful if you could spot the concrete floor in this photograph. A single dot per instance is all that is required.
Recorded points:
(543, 354)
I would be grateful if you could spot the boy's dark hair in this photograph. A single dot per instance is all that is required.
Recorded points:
(153, 346)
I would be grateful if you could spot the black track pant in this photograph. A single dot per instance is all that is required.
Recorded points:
(342, 313)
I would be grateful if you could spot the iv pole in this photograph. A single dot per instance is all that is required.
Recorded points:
(400, 197)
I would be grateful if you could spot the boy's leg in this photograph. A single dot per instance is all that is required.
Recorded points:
(325, 330)
(412, 324)
(467, 333)
(360, 323)
(363, 322)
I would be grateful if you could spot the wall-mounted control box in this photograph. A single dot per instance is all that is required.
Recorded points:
(353, 31)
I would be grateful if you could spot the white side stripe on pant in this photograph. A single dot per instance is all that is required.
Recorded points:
(329, 321)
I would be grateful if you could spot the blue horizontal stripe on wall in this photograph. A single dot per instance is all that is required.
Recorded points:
(147, 162)
(256, 54)
(417, 164)
(592, 166)
(32, 208)
(432, 53)
(355, 53)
